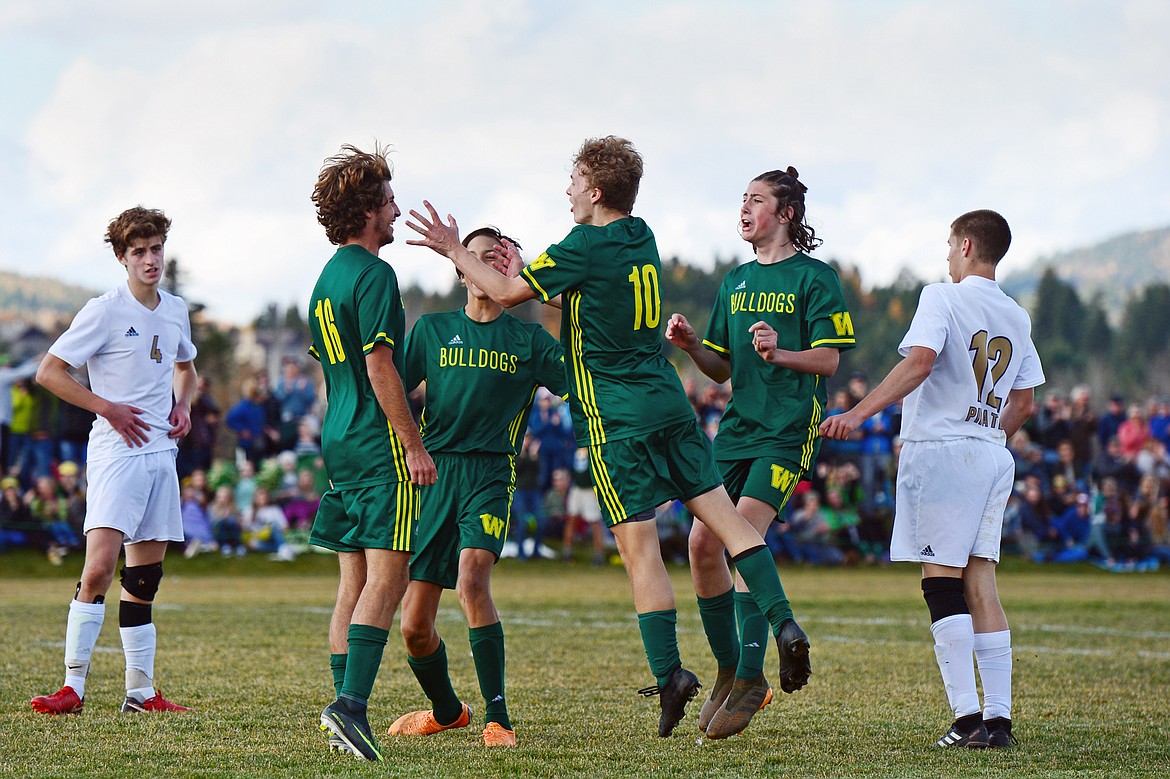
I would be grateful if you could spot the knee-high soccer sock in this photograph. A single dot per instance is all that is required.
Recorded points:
(487, 649)
(718, 616)
(993, 654)
(431, 672)
(758, 569)
(753, 636)
(366, 644)
(660, 639)
(337, 668)
(139, 641)
(81, 633)
(954, 641)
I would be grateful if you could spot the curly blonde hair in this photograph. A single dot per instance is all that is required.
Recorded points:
(134, 224)
(614, 166)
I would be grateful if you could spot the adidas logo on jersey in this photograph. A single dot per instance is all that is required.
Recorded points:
(742, 285)
(131, 333)
(926, 551)
(456, 341)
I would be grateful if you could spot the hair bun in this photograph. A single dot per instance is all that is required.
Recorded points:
(791, 171)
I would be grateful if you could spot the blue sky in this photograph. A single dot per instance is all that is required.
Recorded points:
(899, 115)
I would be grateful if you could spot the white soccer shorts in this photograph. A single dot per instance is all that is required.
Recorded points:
(138, 495)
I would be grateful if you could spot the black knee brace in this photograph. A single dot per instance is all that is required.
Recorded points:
(944, 597)
(141, 581)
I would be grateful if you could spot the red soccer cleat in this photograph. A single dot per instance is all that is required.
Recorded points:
(157, 703)
(64, 701)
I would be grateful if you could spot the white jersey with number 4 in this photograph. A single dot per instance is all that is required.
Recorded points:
(131, 351)
(983, 342)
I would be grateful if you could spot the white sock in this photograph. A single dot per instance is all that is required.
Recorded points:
(81, 634)
(993, 653)
(954, 641)
(138, 644)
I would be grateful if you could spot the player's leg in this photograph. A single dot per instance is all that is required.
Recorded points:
(993, 649)
(86, 614)
(748, 691)
(486, 635)
(715, 592)
(954, 641)
(753, 561)
(638, 545)
(140, 581)
(351, 580)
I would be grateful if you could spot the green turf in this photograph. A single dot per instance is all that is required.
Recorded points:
(243, 641)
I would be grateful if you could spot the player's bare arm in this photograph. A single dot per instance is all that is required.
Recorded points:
(444, 239)
(1020, 403)
(53, 374)
(391, 394)
(682, 334)
(820, 360)
(903, 379)
(186, 381)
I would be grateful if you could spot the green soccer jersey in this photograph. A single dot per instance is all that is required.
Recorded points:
(775, 410)
(620, 383)
(355, 305)
(481, 378)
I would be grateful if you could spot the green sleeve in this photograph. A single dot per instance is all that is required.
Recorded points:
(561, 267)
(549, 358)
(826, 314)
(380, 312)
(415, 372)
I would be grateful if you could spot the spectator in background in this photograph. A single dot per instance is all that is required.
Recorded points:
(1110, 421)
(23, 416)
(556, 499)
(296, 395)
(9, 376)
(582, 507)
(807, 537)
(52, 512)
(264, 528)
(551, 424)
(197, 533)
(527, 512)
(225, 522)
(1065, 465)
(1133, 433)
(1053, 423)
(248, 419)
(1160, 420)
(1068, 533)
(1083, 424)
(198, 447)
(245, 487)
(18, 527)
(1152, 460)
(1111, 464)
(300, 508)
(73, 493)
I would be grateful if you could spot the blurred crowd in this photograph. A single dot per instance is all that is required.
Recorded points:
(1092, 479)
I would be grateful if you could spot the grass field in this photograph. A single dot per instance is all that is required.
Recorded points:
(243, 641)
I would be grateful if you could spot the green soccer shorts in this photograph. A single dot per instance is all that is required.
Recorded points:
(381, 516)
(467, 508)
(634, 475)
(769, 479)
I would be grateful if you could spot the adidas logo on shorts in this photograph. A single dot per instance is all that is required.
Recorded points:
(131, 333)
(456, 341)
(926, 551)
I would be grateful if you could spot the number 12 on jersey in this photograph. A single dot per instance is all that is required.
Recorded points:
(647, 300)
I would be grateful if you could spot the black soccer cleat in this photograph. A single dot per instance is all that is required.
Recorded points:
(680, 689)
(352, 728)
(961, 734)
(793, 645)
(999, 732)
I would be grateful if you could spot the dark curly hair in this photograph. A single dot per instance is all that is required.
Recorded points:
(614, 166)
(349, 185)
(789, 192)
(134, 224)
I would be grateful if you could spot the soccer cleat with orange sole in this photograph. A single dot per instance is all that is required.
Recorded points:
(496, 735)
(423, 723)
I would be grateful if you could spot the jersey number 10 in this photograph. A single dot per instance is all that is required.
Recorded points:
(647, 300)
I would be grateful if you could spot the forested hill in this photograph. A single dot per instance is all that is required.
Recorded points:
(32, 297)
(1115, 269)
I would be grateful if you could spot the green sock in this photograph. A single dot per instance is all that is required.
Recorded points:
(718, 616)
(431, 672)
(366, 644)
(337, 666)
(487, 649)
(661, 642)
(753, 631)
(758, 569)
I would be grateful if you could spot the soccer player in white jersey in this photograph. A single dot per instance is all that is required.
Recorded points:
(136, 340)
(968, 378)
